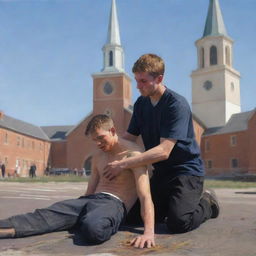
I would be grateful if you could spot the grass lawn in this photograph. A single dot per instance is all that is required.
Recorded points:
(58, 178)
(211, 183)
(73, 178)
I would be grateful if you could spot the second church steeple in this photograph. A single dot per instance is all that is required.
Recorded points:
(112, 51)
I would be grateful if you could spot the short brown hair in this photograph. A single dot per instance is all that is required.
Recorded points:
(150, 63)
(97, 122)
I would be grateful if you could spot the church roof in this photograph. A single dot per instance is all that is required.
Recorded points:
(57, 132)
(113, 27)
(214, 25)
(238, 122)
(22, 127)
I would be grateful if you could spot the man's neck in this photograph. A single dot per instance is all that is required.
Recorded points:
(158, 93)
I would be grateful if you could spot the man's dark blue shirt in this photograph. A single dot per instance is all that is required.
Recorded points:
(171, 118)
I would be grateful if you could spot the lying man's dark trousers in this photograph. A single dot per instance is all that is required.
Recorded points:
(97, 216)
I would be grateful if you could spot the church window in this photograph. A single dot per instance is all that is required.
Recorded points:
(202, 58)
(207, 85)
(88, 166)
(234, 163)
(227, 53)
(108, 88)
(110, 58)
(213, 55)
(232, 86)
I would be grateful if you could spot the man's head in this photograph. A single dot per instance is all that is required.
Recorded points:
(151, 64)
(148, 71)
(101, 129)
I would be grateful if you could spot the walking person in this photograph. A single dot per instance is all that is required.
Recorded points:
(164, 120)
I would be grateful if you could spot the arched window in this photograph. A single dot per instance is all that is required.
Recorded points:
(213, 55)
(110, 58)
(227, 53)
(202, 58)
(88, 166)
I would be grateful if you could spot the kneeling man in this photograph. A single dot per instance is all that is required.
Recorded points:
(99, 213)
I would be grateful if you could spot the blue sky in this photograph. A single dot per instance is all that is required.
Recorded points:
(50, 48)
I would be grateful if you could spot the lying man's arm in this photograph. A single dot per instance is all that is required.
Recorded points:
(147, 209)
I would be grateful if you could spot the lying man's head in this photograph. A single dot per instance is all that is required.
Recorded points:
(101, 129)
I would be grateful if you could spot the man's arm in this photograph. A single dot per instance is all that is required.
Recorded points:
(94, 179)
(151, 156)
(146, 210)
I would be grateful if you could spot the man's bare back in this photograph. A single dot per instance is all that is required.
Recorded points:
(123, 186)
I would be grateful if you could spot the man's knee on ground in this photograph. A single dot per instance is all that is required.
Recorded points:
(97, 231)
(179, 223)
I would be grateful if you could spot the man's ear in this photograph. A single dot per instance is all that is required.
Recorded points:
(113, 131)
(160, 79)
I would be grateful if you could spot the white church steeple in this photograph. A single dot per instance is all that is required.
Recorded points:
(112, 51)
(215, 83)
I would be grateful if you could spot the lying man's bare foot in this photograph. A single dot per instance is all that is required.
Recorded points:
(7, 232)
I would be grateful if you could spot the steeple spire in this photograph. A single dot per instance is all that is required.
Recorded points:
(113, 26)
(112, 50)
(214, 25)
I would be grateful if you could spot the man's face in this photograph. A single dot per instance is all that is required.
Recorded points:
(103, 139)
(146, 83)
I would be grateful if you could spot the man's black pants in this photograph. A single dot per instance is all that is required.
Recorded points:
(178, 202)
(97, 216)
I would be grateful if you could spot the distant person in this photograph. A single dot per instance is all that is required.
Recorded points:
(3, 169)
(99, 213)
(164, 120)
(32, 171)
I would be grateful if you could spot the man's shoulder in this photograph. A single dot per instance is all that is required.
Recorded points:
(131, 147)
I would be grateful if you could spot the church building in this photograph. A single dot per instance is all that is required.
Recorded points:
(226, 135)
(228, 144)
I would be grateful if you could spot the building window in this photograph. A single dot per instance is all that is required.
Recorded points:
(208, 164)
(233, 140)
(227, 53)
(202, 58)
(110, 58)
(33, 145)
(207, 146)
(234, 163)
(6, 138)
(213, 55)
(18, 141)
(23, 142)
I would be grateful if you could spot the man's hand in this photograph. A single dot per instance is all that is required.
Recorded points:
(144, 241)
(112, 170)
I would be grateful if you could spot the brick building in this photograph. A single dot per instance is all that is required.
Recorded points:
(21, 145)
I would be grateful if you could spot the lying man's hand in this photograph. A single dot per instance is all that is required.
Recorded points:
(144, 241)
(112, 170)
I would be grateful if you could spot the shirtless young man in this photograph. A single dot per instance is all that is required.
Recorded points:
(99, 213)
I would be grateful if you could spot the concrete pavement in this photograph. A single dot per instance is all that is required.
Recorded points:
(233, 233)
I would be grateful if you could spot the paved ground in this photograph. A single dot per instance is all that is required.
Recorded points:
(232, 234)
